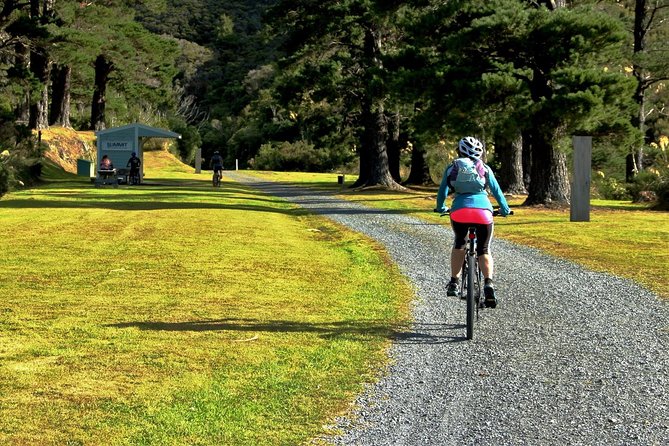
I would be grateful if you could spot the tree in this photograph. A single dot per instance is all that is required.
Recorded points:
(650, 64)
(351, 38)
(549, 68)
(106, 38)
(40, 65)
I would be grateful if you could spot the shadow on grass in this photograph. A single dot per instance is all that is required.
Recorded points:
(186, 194)
(142, 206)
(418, 334)
(320, 201)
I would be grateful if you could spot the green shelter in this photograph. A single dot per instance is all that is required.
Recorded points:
(118, 143)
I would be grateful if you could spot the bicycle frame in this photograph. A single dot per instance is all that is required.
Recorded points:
(471, 288)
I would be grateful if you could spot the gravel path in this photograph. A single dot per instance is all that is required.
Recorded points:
(569, 357)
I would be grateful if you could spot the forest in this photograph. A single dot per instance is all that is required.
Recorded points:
(379, 88)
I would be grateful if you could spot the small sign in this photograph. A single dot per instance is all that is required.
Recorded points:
(117, 145)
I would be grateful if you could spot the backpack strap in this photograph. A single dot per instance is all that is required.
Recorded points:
(482, 169)
(453, 174)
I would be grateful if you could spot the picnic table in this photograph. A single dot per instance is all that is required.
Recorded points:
(106, 177)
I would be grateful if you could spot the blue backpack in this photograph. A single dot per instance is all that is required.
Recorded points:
(467, 176)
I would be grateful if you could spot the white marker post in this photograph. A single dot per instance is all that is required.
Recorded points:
(198, 161)
(580, 186)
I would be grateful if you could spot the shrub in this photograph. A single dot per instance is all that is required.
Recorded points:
(609, 188)
(19, 157)
(299, 156)
(662, 191)
(4, 179)
(651, 180)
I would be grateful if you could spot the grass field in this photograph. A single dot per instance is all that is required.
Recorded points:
(175, 314)
(622, 238)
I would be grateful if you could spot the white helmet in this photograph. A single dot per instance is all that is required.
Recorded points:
(471, 147)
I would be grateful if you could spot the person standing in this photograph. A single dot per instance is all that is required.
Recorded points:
(133, 163)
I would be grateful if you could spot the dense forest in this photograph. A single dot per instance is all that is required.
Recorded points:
(381, 87)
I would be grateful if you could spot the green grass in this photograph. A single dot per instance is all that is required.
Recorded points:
(622, 238)
(172, 313)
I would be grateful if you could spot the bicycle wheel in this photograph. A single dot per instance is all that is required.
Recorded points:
(479, 289)
(471, 295)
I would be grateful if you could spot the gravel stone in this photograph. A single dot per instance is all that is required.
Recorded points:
(569, 356)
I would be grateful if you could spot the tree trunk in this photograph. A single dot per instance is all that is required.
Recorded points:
(550, 178)
(21, 63)
(40, 66)
(102, 70)
(554, 4)
(510, 154)
(527, 159)
(393, 146)
(639, 44)
(60, 93)
(420, 170)
(374, 167)
(630, 169)
(39, 109)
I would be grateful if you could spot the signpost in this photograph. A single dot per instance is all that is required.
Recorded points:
(580, 186)
(198, 160)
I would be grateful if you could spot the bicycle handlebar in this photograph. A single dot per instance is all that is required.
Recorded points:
(495, 213)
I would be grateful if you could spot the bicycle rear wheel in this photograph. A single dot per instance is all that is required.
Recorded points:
(472, 299)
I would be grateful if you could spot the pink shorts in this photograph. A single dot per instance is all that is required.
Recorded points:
(472, 215)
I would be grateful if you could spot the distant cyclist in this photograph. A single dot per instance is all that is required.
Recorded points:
(216, 163)
(468, 176)
(133, 163)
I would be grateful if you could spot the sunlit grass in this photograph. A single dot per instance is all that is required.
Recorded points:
(621, 238)
(175, 313)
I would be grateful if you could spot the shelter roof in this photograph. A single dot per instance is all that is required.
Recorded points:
(142, 131)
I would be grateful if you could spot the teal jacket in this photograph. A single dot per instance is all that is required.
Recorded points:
(478, 200)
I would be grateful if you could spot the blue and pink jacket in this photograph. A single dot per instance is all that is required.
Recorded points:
(478, 200)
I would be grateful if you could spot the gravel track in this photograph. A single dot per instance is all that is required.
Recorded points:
(569, 356)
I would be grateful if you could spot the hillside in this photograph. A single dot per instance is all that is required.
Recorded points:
(67, 145)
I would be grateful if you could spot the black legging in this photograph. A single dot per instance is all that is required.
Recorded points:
(483, 236)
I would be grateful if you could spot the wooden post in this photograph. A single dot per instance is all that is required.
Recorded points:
(198, 160)
(580, 186)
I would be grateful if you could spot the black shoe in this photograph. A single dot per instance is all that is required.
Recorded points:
(453, 289)
(490, 300)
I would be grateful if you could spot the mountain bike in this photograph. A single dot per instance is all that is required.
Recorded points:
(472, 284)
(216, 178)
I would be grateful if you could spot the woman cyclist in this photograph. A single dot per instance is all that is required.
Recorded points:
(469, 177)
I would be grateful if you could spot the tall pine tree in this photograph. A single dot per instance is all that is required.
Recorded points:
(548, 68)
(354, 36)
